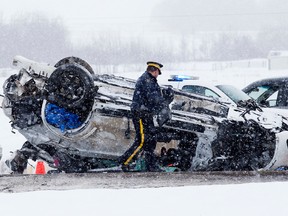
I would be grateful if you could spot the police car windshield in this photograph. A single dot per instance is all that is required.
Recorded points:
(233, 93)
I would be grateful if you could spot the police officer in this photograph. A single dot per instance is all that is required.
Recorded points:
(147, 101)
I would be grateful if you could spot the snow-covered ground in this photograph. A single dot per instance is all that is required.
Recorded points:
(240, 199)
(261, 199)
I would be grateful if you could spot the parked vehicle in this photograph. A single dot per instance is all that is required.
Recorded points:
(271, 93)
(220, 92)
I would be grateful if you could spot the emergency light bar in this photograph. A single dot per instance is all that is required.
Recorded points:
(180, 78)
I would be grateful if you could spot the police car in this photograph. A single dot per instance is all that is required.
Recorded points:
(221, 92)
(202, 134)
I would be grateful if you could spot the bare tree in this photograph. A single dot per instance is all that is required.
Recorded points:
(34, 36)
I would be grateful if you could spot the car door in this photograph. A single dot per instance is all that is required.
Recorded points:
(282, 97)
(281, 102)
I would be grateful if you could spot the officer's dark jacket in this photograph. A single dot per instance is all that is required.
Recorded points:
(147, 95)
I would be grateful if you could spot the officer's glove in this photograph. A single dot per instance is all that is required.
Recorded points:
(168, 94)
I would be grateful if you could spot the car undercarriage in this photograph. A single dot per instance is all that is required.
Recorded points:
(79, 121)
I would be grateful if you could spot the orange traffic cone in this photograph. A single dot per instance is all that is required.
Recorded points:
(40, 168)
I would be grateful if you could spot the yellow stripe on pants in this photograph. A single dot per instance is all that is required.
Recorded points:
(140, 145)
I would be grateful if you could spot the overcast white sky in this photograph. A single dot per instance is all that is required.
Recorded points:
(82, 9)
(84, 17)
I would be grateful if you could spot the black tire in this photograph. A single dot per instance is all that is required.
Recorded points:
(70, 86)
(72, 60)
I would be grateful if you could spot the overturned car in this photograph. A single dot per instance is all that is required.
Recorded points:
(79, 121)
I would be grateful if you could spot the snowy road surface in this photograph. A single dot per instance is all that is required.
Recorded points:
(25, 183)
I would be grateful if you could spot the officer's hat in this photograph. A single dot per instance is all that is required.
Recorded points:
(155, 64)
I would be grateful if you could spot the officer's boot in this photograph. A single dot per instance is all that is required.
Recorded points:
(152, 162)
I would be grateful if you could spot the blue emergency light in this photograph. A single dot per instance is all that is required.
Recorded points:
(180, 78)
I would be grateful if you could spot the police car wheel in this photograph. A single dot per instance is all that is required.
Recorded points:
(72, 60)
(69, 86)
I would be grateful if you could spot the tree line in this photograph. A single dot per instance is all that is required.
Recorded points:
(47, 40)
